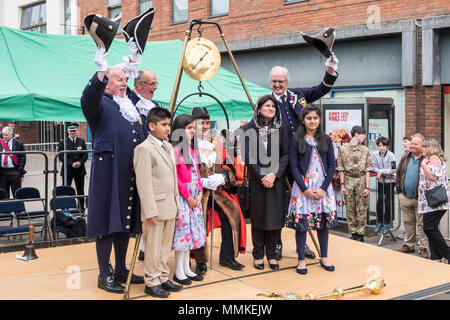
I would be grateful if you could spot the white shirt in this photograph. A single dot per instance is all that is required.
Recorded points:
(158, 141)
(278, 97)
(10, 163)
(144, 105)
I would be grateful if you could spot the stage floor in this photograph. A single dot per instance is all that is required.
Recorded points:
(70, 273)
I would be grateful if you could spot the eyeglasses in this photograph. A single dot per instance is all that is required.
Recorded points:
(278, 81)
(150, 83)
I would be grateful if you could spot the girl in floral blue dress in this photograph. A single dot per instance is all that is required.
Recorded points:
(312, 204)
(189, 226)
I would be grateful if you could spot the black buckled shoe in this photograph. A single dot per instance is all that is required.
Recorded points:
(141, 256)
(197, 277)
(279, 251)
(122, 278)
(186, 281)
(157, 291)
(169, 286)
(308, 253)
(234, 265)
(201, 268)
(110, 284)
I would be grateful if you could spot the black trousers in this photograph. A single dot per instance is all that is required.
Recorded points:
(438, 246)
(226, 247)
(264, 240)
(10, 179)
(385, 202)
(79, 186)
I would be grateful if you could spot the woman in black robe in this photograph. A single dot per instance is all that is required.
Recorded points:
(265, 146)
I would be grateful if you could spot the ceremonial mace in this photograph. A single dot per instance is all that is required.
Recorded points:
(373, 286)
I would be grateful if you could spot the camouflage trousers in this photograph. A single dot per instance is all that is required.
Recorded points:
(356, 205)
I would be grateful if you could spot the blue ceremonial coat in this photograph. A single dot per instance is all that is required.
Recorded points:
(297, 98)
(135, 99)
(113, 203)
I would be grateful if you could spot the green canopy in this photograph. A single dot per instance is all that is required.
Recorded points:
(43, 76)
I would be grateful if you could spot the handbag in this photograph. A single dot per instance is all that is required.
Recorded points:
(243, 194)
(436, 196)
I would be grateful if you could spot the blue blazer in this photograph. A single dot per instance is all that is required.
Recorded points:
(113, 199)
(299, 163)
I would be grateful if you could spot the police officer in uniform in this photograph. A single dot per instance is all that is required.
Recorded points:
(354, 164)
(290, 104)
(75, 161)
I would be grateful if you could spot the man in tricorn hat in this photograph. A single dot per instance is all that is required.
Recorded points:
(218, 177)
(354, 164)
(116, 129)
(291, 102)
(75, 161)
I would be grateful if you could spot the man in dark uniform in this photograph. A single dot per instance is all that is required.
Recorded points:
(75, 161)
(12, 165)
(291, 102)
(114, 210)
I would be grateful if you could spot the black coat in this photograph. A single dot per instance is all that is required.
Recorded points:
(266, 205)
(18, 146)
(73, 157)
(113, 199)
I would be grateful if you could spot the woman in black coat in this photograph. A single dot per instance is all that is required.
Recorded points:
(265, 147)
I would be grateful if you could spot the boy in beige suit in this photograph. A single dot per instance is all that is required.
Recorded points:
(156, 180)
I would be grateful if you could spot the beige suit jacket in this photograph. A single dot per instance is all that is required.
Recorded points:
(156, 180)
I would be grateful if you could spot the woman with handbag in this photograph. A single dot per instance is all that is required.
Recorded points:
(434, 195)
(313, 205)
(265, 148)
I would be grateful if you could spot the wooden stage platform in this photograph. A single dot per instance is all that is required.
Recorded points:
(70, 273)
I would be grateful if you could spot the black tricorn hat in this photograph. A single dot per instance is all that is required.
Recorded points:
(199, 113)
(102, 30)
(323, 41)
(138, 28)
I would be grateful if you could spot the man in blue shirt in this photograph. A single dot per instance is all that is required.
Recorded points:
(407, 181)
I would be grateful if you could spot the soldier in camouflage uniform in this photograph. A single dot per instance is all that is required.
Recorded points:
(354, 164)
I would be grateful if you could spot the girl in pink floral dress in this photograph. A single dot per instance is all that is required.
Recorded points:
(312, 204)
(189, 227)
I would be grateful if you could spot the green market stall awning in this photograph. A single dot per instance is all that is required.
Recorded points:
(42, 77)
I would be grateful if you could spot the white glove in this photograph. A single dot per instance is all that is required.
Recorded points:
(206, 183)
(134, 55)
(332, 62)
(217, 180)
(100, 59)
(129, 68)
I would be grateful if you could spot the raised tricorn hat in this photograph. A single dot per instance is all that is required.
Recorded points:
(138, 28)
(101, 29)
(323, 41)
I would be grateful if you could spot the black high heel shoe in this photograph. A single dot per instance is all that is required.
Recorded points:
(259, 266)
